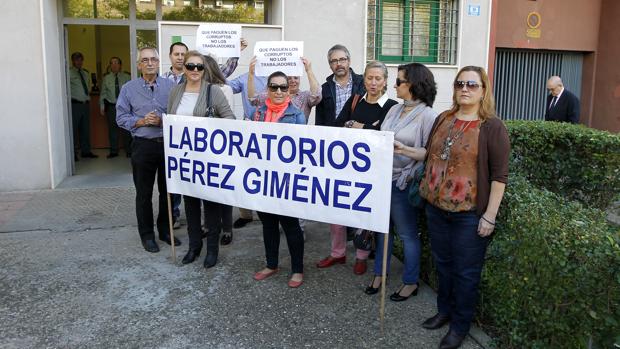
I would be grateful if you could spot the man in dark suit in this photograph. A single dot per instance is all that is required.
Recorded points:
(561, 105)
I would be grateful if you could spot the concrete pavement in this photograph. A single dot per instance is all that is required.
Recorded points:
(74, 275)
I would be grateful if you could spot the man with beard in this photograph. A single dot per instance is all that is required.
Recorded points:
(336, 90)
(338, 87)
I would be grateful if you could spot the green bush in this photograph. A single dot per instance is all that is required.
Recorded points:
(574, 161)
(552, 276)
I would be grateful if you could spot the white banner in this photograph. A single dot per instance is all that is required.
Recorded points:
(284, 56)
(327, 174)
(222, 40)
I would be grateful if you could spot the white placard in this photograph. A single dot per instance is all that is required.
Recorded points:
(329, 174)
(221, 40)
(284, 56)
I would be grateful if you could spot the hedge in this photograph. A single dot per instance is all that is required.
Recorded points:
(574, 161)
(552, 275)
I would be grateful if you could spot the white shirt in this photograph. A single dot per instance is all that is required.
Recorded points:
(187, 104)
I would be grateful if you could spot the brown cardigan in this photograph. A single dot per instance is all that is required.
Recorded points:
(493, 154)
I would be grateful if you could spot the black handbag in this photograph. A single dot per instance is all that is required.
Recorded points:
(364, 239)
(210, 113)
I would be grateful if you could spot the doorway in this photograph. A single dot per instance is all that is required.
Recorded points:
(97, 44)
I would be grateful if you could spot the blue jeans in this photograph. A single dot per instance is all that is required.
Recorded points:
(404, 217)
(458, 252)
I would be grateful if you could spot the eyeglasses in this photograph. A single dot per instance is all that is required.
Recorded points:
(399, 81)
(342, 60)
(146, 60)
(194, 66)
(274, 88)
(471, 85)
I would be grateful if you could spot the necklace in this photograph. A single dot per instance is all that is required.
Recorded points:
(450, 140)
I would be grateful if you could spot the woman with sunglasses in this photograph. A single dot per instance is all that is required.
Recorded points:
(278, 108)
(411, 123)
(466, 173)
(190, 99)
(304, 100)
(368, 112)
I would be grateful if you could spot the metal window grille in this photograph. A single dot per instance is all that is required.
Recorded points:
(412, 31)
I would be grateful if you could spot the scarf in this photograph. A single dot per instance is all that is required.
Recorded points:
(277, 109)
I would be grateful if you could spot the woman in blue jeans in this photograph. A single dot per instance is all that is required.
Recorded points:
(411, 123)
(466, 173)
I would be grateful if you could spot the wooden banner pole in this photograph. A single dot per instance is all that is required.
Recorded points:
(383, 281)
(170, 224)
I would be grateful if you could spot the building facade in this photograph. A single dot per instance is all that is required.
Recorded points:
(36, 146)
(577, 40)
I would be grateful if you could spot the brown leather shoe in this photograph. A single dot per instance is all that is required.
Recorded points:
(329, 261)
(360, 266)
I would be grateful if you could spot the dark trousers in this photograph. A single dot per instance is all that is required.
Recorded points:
(271, 238)
(147, 161)
(80, 115)
(114, 131)
(213, 221)
(226, 217)
(458, 253)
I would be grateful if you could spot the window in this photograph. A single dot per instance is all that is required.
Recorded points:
(412, 31)
(231, 11)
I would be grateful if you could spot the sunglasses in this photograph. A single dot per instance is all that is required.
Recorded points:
(471, 85)
(274, 88)
(399, 81)
(192, 66)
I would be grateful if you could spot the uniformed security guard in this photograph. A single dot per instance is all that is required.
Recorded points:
(110, 89)
(79, 80)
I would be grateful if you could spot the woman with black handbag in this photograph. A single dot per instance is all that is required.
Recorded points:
(196, 97)
(365, 111)
(411, 123)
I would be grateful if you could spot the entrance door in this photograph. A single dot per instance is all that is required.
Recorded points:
(99, 43)
(520, 80)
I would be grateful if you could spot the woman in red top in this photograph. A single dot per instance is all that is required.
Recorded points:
(466, 173)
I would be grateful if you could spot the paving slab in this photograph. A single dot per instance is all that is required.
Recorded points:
(82, 280)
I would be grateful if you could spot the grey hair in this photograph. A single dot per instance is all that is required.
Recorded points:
(338, 47)
(380, 65)
(146, 48)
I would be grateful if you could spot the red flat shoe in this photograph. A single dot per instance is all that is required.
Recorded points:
(262, 276)
(294, 284)
(329, 261)
(360, 266)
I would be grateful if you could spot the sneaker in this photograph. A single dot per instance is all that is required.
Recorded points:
(176, 223)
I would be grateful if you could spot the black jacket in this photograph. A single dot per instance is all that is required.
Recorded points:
(326, 110)
(566, 109)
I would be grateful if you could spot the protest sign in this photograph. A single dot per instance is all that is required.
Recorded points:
(284, 56)
(328, 174)
(221, 40)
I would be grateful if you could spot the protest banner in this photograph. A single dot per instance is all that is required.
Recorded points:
(328, 174)
(284, 56)
(221, 40)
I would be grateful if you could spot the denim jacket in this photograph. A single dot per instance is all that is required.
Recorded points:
(292, 115)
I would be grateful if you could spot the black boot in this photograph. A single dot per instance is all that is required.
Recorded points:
(213, 248)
